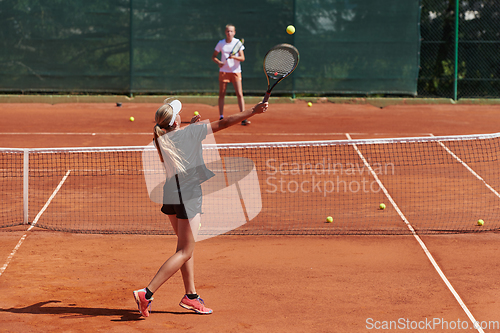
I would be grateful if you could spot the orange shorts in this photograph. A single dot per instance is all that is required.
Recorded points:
(229, 77)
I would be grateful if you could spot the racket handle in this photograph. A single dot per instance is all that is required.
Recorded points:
(266, 97)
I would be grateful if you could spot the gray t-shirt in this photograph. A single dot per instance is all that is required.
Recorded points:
(188, 142)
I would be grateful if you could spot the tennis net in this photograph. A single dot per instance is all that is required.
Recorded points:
(429, 184)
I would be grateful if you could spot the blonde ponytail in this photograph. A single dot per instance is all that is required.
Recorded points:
(169, 154)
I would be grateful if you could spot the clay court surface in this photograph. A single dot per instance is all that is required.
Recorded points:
(64, 282)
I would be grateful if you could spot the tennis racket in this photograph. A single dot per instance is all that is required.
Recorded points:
(236, 48)
(279, 62)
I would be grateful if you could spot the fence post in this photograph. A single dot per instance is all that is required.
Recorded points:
(293, 38)
(131, 48)
(455, 85)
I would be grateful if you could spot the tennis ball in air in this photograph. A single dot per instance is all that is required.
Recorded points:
(196, 113)
(382, 206)
(290, 29)
(480, 222)
(131, 118)
(309, 104)
(329, 219)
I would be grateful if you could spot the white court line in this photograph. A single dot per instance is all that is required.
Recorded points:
(11, 255)
(468, 168)
(419, 240)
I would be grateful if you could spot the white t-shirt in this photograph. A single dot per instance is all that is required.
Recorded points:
(231, 65)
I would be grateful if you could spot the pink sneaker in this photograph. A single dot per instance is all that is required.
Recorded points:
(142, 302)
(197, 305)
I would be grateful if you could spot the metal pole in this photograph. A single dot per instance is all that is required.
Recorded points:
(26, 168)
(455, 88)
(293, 39)
(131, 48)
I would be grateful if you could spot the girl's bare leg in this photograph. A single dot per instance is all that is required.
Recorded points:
(238, 89)
(182, 259)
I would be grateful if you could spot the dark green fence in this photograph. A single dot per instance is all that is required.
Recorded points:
(144, 46)
(348, 47)
(460, 50)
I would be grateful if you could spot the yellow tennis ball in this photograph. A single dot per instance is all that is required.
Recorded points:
(196, 113)
(382, 206)
(290, 29)
(329, 219)
(309, 104)
(131, 118)
(480, 222)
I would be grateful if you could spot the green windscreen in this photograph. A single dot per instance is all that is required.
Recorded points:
(139, 46)
(64, 45)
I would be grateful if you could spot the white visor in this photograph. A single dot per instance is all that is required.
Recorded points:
(176, 106)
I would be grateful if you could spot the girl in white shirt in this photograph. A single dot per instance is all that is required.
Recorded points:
(229, 69)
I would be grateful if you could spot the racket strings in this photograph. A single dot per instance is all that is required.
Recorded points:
(280, 62)
(237, 47)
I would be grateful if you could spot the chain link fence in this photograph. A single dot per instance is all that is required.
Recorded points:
(460, 54)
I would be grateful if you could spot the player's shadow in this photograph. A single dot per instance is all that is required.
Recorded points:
(73, 311)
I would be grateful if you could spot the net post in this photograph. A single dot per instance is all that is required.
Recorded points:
(26, 163)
